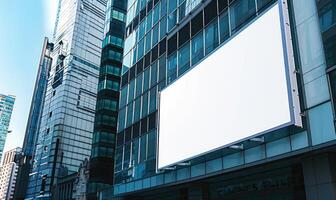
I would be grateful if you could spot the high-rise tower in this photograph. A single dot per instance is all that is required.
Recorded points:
(65, 133)
(104, 136)
(34, 119)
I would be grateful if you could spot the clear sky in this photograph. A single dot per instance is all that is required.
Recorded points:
(23, 26)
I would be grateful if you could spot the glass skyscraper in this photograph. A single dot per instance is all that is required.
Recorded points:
(105, 127)
(166, 39)
(65, 133)
(34, 119)
(6, 109)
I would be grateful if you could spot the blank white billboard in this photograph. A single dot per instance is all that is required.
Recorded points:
(242, 90)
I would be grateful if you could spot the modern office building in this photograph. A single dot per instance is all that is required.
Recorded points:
(34, 119)
(6, 109)
(239, 134)
(105, 127)
(8, 173)
(66, 127)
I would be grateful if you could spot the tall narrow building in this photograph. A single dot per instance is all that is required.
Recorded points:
(103, 142)
(8, 173)
(34, 119)
(65, 133)
(6, 109)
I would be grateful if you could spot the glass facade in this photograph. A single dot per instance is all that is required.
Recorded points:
(188, 31)
(179, 49)
(6, 109)
(34, 118)
(327, 20)
(105, 126)
(65, 133)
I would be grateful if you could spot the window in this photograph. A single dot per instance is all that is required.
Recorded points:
(210, 12)
(146, 80)
(127, 155)
(172, 19)
(149, 22)
(131, 91)
(108, 84)
(137, 109)
(109, 69)
(118, 158)
(172, 44)
(263, 4)
(156, 14)
(145, 104)
(148, 42)
(163, 27)
(155, 33)
(182, 11)
(222, 5)
(102, 119)
(123, 96)
(211, 37)
(224, 29)
(118, 15)
(197, 46)
(196, 24)
(138, 85)
(163, 7)
(129, 114)
(172, 5)
(162, 68)
(184, 58)
(154, 74)
(141, 48)
(184, 35)
(240, 13)
(142, 28)
(143, 148)
(151, 145)
(135, 152)
(122, 119)
(152, 101)
(107, 104)
(172, 67)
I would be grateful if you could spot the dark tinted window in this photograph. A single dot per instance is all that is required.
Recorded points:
(210, 12)
(184, 34)
(196, 24)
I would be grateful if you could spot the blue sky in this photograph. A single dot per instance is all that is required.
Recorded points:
(23, 26)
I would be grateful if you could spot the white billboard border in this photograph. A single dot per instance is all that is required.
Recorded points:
(292, 89)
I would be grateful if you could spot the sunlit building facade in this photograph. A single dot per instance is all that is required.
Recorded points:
(167, 39)
(34, 119)
(8, 173)
(66, 127)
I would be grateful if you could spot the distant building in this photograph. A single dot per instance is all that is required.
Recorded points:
(6, 109)
(34, 119)
(8, 172)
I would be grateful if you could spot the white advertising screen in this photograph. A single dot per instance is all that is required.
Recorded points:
(240, 91)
